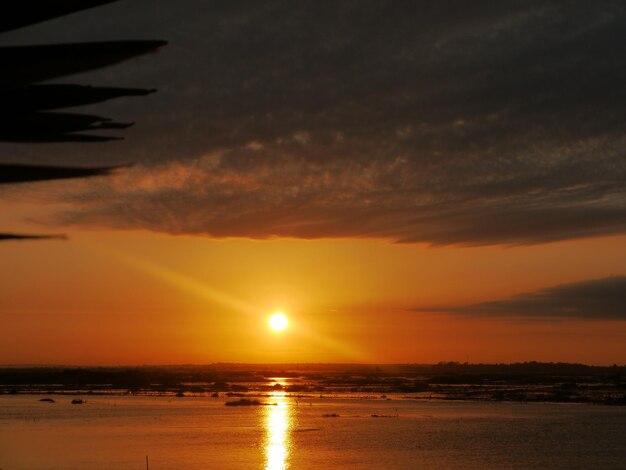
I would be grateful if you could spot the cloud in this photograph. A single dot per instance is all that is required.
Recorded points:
(593, 299)
(502, 123)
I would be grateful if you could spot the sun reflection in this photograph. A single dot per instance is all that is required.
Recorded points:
(278, 422)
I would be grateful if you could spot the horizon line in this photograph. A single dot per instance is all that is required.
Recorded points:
(292, 364)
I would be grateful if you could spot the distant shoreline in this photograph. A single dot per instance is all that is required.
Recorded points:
(520, 382)
(318, 365)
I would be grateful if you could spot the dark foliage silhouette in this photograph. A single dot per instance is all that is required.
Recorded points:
(26, 115)
(26, 13)
(23, 173)
(33, 98)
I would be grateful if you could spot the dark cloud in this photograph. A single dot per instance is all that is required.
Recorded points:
(444, 123)
(594, 299)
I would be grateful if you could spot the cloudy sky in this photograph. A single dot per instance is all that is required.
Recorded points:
(446, 178)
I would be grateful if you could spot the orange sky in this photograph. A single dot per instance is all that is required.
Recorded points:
(278, 154)
(136, 297)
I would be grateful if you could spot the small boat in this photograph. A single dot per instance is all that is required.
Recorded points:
(78, 401)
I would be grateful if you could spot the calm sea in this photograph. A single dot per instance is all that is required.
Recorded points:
(201, 433)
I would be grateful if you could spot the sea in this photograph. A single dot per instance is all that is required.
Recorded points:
(193, 433)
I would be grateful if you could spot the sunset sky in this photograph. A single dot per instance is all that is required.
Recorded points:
(406, 181)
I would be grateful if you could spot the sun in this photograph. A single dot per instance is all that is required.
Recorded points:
(278, 321)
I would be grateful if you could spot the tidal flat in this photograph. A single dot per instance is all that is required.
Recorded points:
(442, 416)
(520, 382)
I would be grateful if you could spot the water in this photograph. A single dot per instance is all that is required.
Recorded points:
(201, 433)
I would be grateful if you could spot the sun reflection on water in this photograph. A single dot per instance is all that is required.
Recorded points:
(278, 423)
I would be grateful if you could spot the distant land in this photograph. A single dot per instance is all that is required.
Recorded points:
(526, 381)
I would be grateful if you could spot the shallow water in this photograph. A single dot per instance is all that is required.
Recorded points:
(201, 433)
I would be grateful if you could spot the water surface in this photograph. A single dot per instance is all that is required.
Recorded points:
(200, 433)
